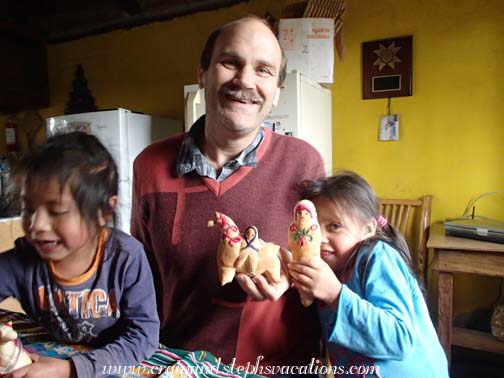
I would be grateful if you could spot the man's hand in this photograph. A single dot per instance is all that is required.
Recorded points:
(260, 289)
(44, 367)
(314, 278)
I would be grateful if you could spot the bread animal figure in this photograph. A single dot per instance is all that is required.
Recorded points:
(244, 253)
(304, 236)
(12, 354)
(229, 246)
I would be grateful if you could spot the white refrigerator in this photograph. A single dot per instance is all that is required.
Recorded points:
(125, 134)
(304, 111)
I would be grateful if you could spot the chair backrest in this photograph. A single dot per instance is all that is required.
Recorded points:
(412, 218)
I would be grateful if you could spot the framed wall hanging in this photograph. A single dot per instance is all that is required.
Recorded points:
(387, 68)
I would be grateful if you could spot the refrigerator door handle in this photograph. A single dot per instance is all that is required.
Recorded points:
(193, 99)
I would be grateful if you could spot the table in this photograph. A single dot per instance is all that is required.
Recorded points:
(165, 362)
(461, 255)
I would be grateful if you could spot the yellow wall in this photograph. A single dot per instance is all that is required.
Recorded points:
(451, 129)
(144, 68)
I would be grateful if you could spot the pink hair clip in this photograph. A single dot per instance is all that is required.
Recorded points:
(382, 221)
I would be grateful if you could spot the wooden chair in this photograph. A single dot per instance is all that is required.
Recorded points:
(412, 218)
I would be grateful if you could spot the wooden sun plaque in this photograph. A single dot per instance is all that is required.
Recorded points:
(387, 68)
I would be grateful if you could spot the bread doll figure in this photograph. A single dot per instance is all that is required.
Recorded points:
(304, 236)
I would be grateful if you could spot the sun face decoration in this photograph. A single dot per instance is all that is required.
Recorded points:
(387, 56)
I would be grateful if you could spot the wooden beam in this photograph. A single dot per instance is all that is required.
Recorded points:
(131, 7)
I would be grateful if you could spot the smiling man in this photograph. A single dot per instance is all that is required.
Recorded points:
(227, 162)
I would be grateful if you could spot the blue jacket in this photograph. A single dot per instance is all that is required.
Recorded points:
(382, 326)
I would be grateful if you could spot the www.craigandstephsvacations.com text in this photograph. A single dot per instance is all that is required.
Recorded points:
(185, 370)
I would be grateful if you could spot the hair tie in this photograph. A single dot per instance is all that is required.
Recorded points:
(382, 221)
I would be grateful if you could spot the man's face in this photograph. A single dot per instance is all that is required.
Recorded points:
(241, 83)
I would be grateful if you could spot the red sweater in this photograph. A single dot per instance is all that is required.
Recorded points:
(170, 217)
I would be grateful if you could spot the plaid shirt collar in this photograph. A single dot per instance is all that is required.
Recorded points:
(191, 158)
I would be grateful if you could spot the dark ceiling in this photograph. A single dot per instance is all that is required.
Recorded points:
(64, 20)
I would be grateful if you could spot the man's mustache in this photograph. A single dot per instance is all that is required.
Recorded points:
(243, 95)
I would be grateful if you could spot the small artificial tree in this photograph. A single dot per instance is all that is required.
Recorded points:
(81, 99)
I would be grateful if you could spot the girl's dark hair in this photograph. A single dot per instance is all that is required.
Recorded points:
(78, 159)
(355, 197)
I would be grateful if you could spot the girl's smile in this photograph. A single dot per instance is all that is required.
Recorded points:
(55, 227)
(340, 232)
(46, 246)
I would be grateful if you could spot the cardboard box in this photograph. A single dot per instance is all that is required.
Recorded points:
(308, 44)
(10, 230)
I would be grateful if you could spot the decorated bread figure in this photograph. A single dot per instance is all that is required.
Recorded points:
(12, 354)
(248, 259)
(304, 236)
(245, 253)
(229, 247)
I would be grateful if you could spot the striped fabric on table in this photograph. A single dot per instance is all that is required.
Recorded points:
(165, 362)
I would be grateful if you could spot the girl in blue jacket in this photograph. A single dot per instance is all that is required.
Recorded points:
(374, 317)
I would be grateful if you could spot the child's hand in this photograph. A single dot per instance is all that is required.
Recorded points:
(43, 367)
(316, 279)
